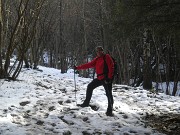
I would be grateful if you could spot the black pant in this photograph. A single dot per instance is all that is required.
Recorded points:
(96, 83)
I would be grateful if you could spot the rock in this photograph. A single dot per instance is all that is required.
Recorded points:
(24, 103)
(51, 108)
(39, 122)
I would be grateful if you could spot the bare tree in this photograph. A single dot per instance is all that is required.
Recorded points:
(1, 38)
(147, 81)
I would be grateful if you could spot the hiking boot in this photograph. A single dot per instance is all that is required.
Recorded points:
(109, 112)
(83, 105)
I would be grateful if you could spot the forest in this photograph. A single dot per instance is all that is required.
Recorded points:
(142, 35)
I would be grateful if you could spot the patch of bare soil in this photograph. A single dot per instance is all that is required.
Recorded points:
(168, 124)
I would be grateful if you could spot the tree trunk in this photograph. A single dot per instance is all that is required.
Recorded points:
(102, 23)
(147, 81)
(176, 76)
(1, 40)
(84, 47)
(26, 62)
(18, 69)
(62, 45)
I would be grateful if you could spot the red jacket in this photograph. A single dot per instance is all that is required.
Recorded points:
(98, 64)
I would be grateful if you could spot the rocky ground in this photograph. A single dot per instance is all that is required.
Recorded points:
(168, 124)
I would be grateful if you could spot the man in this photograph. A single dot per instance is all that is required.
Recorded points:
(104, 67)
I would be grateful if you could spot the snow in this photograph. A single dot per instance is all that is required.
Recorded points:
(163, 86)
(44, 103)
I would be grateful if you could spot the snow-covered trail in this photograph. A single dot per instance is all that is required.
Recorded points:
(44, 103)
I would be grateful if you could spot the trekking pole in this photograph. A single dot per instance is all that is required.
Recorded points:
(75, 85)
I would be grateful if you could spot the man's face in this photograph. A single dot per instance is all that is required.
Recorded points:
(99, 52)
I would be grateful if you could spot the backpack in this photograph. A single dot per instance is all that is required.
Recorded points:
(106, 67)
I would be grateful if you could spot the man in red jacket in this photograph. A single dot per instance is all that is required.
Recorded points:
(104, 66)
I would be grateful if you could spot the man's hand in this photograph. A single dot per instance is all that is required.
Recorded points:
(107, 81)
(75, 67)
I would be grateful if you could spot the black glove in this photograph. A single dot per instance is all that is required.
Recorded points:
(75, 67)
(107, 81)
